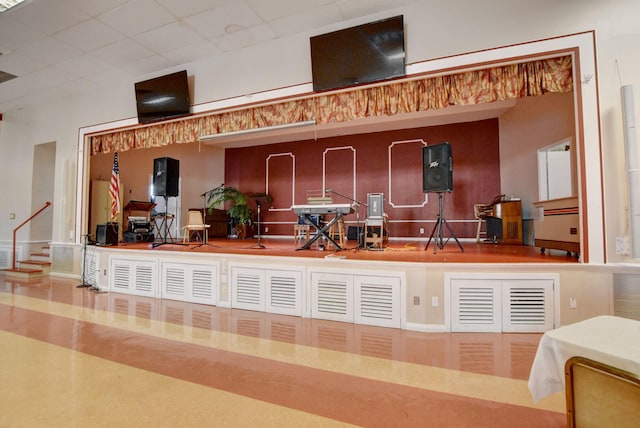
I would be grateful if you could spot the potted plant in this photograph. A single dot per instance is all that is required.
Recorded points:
(240, 213)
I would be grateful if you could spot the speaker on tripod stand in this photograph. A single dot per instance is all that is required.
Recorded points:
(437, 177)
(166, 176)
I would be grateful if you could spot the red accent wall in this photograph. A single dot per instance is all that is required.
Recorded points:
(384, 162)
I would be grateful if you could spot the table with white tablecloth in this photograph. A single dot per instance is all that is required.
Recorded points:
(607, 339)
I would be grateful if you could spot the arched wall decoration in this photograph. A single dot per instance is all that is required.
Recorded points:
(422, 144)
(507, 81)
(293, 179)
(324, 166)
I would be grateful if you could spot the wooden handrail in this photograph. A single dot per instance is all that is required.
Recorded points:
(15, 254)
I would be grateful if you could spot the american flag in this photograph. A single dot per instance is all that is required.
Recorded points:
(114, 189)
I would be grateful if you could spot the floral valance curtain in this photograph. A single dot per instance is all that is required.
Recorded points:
(429, 93)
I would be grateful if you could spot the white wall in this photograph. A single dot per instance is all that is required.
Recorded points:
(433, 29)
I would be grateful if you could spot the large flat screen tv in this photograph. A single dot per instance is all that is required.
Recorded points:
(163, 97)
(362, 54)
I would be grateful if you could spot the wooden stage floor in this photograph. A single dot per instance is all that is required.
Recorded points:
(395, 251)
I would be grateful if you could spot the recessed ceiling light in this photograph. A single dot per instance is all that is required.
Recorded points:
(8, 4)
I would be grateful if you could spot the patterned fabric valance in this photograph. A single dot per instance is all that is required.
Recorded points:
(430, 93)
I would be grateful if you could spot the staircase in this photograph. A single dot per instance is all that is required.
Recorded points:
(39, 264)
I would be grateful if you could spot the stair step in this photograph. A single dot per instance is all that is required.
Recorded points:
(23, 272)
(42, 265)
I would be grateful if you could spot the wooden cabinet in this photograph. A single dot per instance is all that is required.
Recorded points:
(505, 223)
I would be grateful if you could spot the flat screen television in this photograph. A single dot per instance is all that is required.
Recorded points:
(163, 97)
(363, 54)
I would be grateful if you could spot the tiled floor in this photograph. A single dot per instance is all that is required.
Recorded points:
(74, 358)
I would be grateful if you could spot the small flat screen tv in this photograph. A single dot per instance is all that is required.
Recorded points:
(363, 54)
(163, 97)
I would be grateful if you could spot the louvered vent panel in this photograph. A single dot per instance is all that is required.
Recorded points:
(475, 306)
(332, 297)
(283, 292)
(144, 279)
(121, 275)
(174, 281)
(202, 284)
(5, 258)
(527, 306)
(248, 289)
(376, 301)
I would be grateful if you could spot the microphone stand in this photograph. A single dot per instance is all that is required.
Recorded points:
(356, 203)
(84, 283)
(258, 245)
(204, 215)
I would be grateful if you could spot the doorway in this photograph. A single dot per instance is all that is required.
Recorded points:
(43, 179)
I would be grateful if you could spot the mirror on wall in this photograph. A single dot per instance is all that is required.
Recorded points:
(555, 174)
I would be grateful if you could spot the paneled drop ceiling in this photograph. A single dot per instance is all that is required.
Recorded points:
(60, 48)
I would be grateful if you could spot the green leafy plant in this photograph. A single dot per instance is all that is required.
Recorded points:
(237, 204)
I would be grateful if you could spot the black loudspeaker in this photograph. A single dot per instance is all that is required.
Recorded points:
(437, 168)
(107, 234)
(166, 172)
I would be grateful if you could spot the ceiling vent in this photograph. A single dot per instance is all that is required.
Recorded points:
(6, 76)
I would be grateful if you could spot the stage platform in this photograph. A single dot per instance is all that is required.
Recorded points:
(395, 251)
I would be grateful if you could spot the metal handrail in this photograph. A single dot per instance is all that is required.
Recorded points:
(15, 253)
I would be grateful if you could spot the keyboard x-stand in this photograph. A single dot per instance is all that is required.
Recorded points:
(310, 211)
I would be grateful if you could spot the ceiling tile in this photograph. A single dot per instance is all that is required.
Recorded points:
(183, 9)
(83, 66)
(19, 64)
(215, 22)
(309, 19)
(49, 51)
(169, 37)
(194, 52)
(89, 35)
(243, 38)
(121, 53)
(95, 7)
(14, 35)
(48, 17)
(137, 17)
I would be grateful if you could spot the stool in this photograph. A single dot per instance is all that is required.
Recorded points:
(300, 230)
(339, 235)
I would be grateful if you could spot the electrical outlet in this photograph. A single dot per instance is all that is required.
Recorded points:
(622, 245)
(416, 300)
(573, 303)
(434, 301)
(422, 231)
(266, 229)
(12, 216)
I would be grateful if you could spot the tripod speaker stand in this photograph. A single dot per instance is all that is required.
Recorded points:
(166, 227)
(438, 230)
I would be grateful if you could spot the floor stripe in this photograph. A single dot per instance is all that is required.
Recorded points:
(328, 394)
(50, 386)
(464, 384)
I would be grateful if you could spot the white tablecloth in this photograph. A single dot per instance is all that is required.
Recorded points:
(607, 339)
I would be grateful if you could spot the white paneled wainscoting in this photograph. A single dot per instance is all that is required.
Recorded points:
(336, 290)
